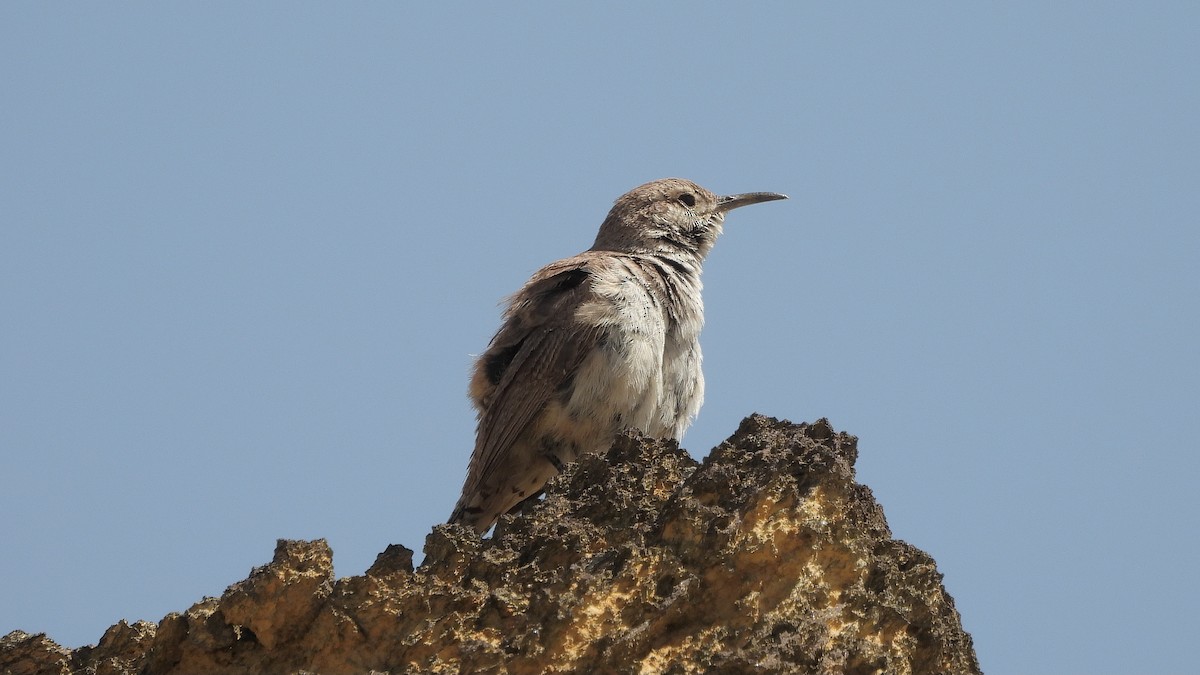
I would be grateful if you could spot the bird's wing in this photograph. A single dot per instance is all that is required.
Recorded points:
(535, 353)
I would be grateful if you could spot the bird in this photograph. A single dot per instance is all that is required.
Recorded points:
(595, 344)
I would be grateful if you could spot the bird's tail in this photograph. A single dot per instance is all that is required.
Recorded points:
(471, 516)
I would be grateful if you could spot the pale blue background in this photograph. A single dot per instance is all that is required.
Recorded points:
(247, 252)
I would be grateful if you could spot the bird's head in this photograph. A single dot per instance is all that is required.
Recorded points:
(671, 216)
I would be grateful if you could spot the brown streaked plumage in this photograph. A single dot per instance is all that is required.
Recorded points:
(596, 343)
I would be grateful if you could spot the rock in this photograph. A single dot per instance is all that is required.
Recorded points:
(122, 649)
(765, 558)
(25, 654)
(279, 601)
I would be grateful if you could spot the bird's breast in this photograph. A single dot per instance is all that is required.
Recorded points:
(646, 372)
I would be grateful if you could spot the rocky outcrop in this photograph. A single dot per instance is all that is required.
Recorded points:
(765, 558)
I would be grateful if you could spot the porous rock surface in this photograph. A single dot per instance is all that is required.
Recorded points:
(765, 558)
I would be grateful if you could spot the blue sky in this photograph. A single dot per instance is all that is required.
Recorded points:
(247, 252)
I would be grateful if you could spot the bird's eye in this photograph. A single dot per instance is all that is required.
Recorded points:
(688, 199)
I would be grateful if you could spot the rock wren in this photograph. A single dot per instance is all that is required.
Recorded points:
(594, 344)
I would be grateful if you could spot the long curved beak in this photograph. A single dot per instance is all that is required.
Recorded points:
(731, 202)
